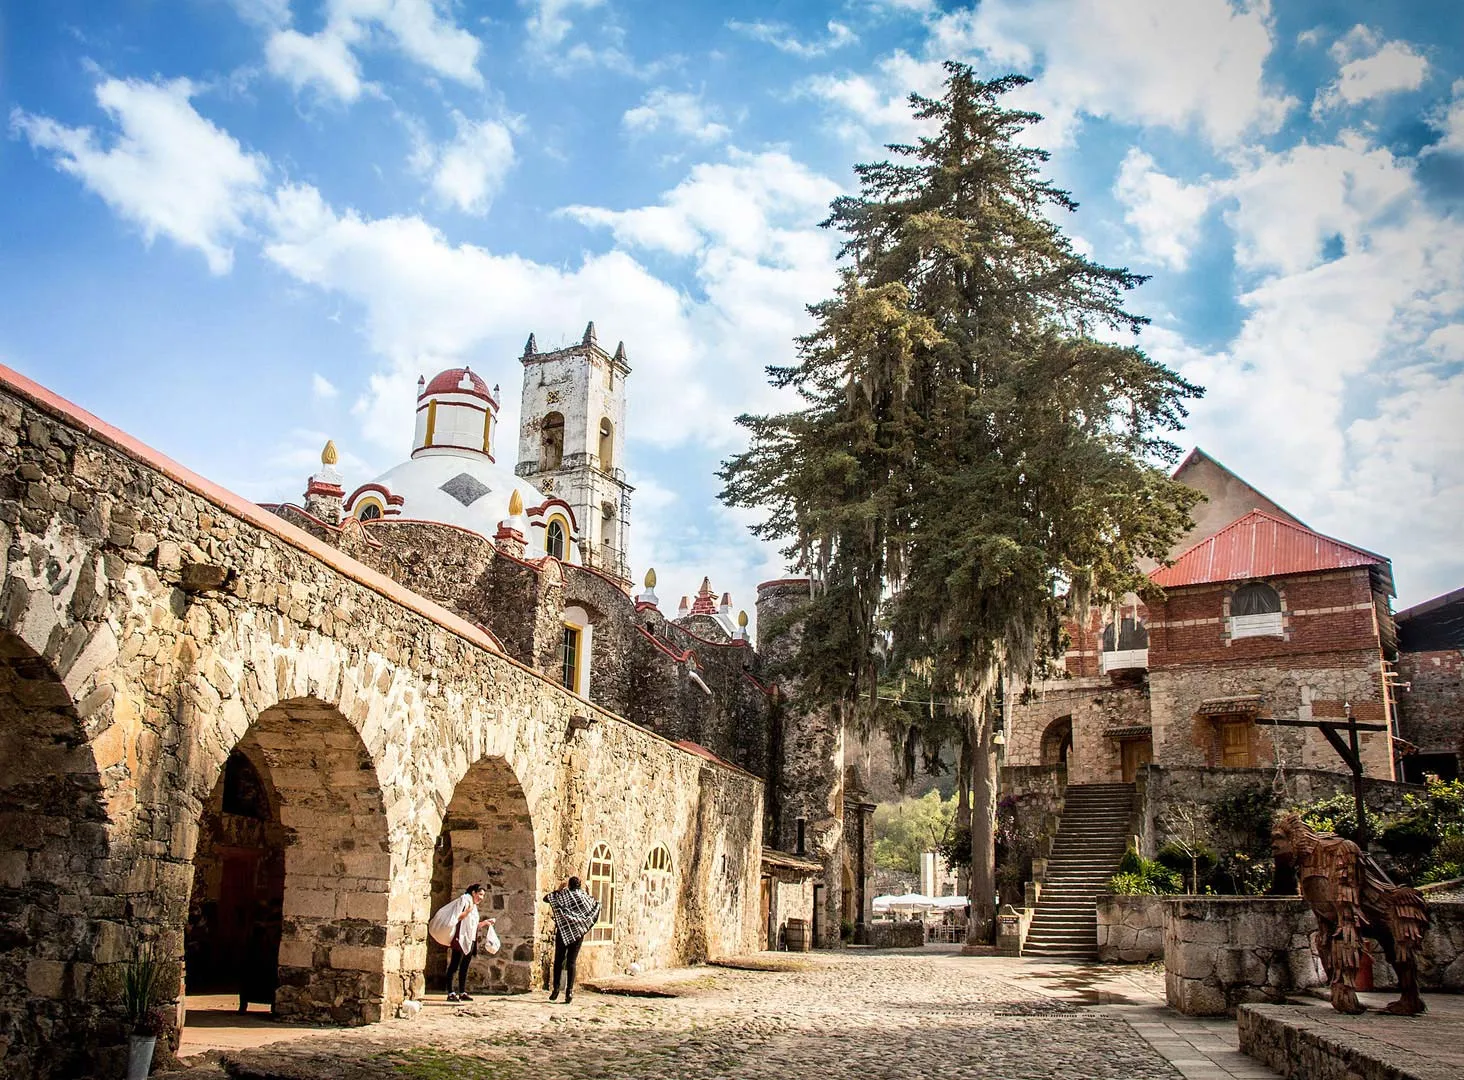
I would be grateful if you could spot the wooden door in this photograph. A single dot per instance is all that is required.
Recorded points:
(236, 913)
(1235, 752)
(767, 913)
(1136, 752)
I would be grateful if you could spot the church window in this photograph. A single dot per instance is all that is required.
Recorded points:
(1255, 611)
(369, 510)
(569, 655)
(607, 445)
(554, 538)
(601, 880)
(551, 441)
(657, 876)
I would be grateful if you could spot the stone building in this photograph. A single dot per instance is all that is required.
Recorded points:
(267, 741)
(1431, 677)
(1259, 617)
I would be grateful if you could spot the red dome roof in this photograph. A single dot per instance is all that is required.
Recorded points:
(451, 382)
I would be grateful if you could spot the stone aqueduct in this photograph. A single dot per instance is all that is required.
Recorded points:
(155, 628)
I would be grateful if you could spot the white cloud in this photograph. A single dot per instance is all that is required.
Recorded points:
(269, 14)
(1182, 65)
(322, 388)
(549, 23)
(1165, 212)
(679, 112)
(469, 171)
(1449, 119)
(167, 169)
(1370, 69)
(781, 37)
(327, 60)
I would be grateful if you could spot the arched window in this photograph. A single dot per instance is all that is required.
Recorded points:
(601, 881)
(607, 445)
(551, 442)
(657, 876)
(1255, 611)
(368, 511)
(556, 538)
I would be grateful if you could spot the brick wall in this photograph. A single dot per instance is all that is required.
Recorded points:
(1431, 710)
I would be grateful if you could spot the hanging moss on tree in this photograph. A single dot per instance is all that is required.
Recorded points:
(972, 458)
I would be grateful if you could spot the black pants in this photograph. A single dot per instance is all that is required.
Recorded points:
(565, 958)
(459, 963)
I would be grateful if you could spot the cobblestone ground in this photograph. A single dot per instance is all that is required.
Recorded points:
(856, 1016)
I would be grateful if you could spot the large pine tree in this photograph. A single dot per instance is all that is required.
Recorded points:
(972, 459)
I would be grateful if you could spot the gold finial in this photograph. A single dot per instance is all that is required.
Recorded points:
(329, 456)
(515, 504)
(742, 619)
(651, 578)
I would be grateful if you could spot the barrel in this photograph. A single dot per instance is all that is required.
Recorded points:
(797, 936)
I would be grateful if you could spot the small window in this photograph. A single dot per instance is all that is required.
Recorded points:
(368, 511)
(602, 887)
(554, 539)
(569, 657)
(657, 876)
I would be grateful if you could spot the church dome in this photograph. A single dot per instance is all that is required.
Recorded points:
(457, 381)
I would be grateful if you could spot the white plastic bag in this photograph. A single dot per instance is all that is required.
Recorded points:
(444, 923)
(490, 943)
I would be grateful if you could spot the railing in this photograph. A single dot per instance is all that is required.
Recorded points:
(1123, 660)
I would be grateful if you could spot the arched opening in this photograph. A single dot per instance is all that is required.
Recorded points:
(300, 796)
(54, 846)
(551, 442)
(1057, 741)
(369, 510)
(556, 538)
(600, 883)
(488, 836)
(1255, 611)
(236, 907)
(607, 444)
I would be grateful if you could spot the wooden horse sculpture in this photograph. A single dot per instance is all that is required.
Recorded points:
(1353, 899)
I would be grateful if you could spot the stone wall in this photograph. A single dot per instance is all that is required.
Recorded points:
(1094, 706)
(151, 624)
(1130, 928)
(1220, 952)
(909, 934)
(1431, 708)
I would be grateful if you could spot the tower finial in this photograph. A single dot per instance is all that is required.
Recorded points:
(589, 333)
(742, 619)
(515, 504)
(531, 347)
(329, 456)
(620, 352)
(651, 578)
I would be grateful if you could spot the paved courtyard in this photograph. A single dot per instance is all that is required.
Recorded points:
(857, 1015)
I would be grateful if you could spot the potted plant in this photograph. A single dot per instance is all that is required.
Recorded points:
(142, 985)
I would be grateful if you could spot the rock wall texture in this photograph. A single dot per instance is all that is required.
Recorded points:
(1090, 709)
(1431, 709)
(152, 625)
(1220, 952)
(1130, 929)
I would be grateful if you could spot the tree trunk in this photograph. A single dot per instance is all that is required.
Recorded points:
(963, 806)
(981, 894)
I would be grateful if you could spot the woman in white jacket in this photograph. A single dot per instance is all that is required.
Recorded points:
(464, 941)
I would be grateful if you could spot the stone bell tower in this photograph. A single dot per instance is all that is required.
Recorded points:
(571, 440)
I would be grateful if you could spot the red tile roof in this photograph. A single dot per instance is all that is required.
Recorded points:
(1258, 545)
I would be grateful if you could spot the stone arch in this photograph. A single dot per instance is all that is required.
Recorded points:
(487, 836)
(54, 844)
(1057, 741)
(337, 860)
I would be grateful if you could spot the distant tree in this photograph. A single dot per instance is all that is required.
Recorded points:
(904, 830)
(1191, 832)
(972, 457)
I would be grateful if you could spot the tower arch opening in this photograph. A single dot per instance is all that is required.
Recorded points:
(607, 444)
(551, 441)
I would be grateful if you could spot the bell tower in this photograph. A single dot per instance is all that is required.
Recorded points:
(571, 440)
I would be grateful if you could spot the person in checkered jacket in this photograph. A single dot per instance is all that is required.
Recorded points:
(575, 912)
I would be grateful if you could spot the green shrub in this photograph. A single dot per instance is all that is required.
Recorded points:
(1173, 857)
(1246, 811)
(1138, 876)
(1338, 814)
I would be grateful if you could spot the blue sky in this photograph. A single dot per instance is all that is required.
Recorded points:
(238, 227)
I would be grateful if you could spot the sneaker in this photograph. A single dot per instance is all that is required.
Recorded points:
(451, 996)
(465, 997)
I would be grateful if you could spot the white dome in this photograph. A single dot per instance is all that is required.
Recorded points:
(466, 490)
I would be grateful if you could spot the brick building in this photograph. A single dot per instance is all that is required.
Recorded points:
(1259, 617)
(1431, 672)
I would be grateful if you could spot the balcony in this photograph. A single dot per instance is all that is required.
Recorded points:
(1123, 660)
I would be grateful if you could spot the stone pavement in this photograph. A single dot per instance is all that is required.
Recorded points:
(857, 1014)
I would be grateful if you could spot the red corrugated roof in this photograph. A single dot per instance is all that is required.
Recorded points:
(1258, 545)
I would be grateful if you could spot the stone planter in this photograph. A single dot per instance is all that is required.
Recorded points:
(1222, 951)
(1130, 928)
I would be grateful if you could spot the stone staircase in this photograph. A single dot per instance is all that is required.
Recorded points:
(1090, 842)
